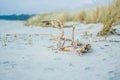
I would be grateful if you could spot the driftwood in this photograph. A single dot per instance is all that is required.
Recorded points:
(73, 31)
(62, 38)
(83, 49)
(86, 47)
(76, 45)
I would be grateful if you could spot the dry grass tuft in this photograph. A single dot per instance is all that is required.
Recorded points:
(112, 17)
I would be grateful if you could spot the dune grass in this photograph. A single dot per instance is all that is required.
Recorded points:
(108, 15)
(37, 20)
(112, 17)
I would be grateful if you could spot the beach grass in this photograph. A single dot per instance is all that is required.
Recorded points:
(108, 15)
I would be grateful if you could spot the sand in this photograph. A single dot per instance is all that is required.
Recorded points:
(27, 53)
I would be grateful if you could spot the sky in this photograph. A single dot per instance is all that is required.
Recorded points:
(41, 6)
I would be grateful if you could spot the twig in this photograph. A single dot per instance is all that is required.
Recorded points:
(73, 33)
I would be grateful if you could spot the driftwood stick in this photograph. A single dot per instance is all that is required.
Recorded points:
(61, 34)
(58, 24)
(59, 44)
(73, 31)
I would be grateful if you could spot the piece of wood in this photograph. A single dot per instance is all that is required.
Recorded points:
(58, 24)
(66, 49)
(83, 49)
(73, 30)
(76, 45)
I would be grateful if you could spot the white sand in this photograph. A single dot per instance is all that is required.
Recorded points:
(28, 57)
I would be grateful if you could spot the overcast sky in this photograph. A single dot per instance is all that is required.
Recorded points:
(40, 6)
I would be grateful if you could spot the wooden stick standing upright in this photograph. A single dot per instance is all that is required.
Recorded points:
(73, 31)
(61, 34)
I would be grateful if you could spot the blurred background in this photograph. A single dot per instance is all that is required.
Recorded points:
(41, 6)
